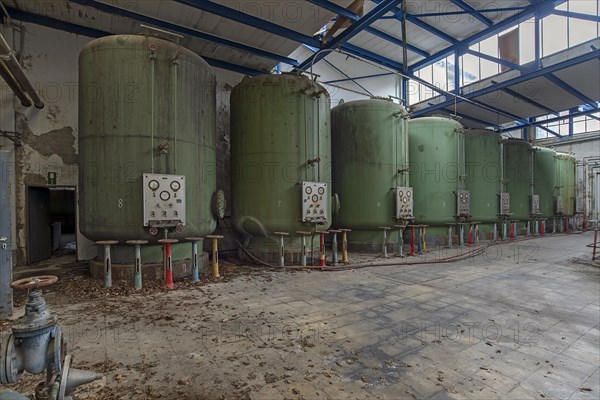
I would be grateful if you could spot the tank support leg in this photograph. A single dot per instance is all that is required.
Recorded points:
(334, 248)
(450, 237)
(215, 254)
(461, 235)
(384, 252)
(345, 245)
(400, 242)
(168, 267)
(137, 276)
(107, 261)
(495, 233)
(303, 255)
(528, 228)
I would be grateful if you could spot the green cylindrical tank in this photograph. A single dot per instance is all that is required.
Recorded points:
(138, 95)
(370, 156)
(437, 164)
(517, 174)
(566, 173)
(483, 169)
(280, 137)
(544, 179)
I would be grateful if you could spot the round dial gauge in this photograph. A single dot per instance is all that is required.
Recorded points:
(315, 198)
(175, 185)
(308, 190)
(164, 195)
(153, 184)
(321, 190)
(400, 193)
(408, 194)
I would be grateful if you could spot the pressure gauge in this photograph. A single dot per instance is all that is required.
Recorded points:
(315, 198)
(153, 184)
(308, 190)
(164, 195)
(321, 190)
(400, 193)
(175, 186)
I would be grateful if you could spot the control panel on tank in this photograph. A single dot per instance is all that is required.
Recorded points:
(315, 202)
(463, 203)
(404, 203)
(560, 207)
(535, 204)
(505, 203)
(164, 200)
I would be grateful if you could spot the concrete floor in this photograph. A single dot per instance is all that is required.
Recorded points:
(521, 322)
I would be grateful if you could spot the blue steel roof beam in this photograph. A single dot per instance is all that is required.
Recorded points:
(496, 60)
(447, 13)
(565, 86)
(526, 99)
(110, 9)
(485, 20)
(396, 41)
(424, 25)
(328, 5)
(556, 119)
(549, 131)
(376, 58)
(339, 10)
(250, 20)
(542, 9)
(519, 79)
(576, 15)
(381, 9)
(95, 33)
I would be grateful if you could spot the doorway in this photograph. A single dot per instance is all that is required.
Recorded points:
(51, 216)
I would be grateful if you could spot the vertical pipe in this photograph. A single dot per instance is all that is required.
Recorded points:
(322, 249)
(175, 63)
(471, 236)
(215, 254)
(419, 240)
(450, 236)
(461, 235)
(400, 241)
(196, 262)
(345, 245)
(595, 246)
(412, 240)
(107, 267)
(334, 245)
(6, 295)
(303, 255)
(477, 234)
(425, 238)
(168, 266)
(152, 47)
(281, 252)
(384, 244)
(138, 267)
(495, 233)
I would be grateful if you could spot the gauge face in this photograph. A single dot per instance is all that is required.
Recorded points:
(400, 193)
(308, 190)
(175, 185)
(408, 194)
(164, 195)
(321, 190)
(315, 198)
(153, 184)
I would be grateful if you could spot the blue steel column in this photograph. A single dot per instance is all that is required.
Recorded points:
(6, 303)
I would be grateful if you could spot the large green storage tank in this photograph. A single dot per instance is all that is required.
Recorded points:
(437, 165)
(518, 177)
(544, 179)
(566, 173)
(135, 94)
(280, 137)
(483, 168)
(370, 158)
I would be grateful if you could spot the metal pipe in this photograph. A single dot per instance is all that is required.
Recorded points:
(345, 245)
(215, 254)
(14, 85)
(8, 56)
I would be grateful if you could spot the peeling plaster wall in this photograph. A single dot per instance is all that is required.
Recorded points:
(50, 135)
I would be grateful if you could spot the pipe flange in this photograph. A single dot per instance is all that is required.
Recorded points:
(8, 370)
